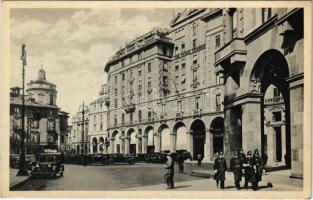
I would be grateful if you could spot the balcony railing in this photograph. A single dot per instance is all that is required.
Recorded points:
(235, 49)
(130, 108)
(274, 100)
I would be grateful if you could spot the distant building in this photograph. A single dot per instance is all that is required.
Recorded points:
(98, 123)
(45, 123)
(79, 138)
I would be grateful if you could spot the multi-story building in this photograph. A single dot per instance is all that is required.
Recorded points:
(45, 124)
(97, 133)
(79, 132)
(200, 86)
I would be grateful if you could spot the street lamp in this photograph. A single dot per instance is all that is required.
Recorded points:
(22, 171)
(83, 109)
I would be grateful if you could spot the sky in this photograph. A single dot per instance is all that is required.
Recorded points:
(73, 45)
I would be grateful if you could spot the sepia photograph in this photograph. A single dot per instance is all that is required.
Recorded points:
(148, 98)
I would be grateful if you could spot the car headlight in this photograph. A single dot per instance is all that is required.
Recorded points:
(49, 165)
(37, 165)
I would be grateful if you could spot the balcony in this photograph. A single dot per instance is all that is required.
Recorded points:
(234, 51)
(197, 113)
(274, 100)
(179, 115)
(130, 108)
(190, 51)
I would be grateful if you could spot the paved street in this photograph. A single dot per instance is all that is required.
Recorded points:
(145, 177)
(115, 177)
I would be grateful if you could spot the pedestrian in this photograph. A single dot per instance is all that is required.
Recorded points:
(249, 170)
(169, 175)
(199, 159)
(220, 168)
(258, 167)
(236, 168)
(180, 163)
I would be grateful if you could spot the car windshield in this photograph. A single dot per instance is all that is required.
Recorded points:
(47, 159)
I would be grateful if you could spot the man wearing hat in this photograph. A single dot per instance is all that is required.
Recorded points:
(258, 167)
(169, 175)
(236, 168)
(220, 168)
(249, 170)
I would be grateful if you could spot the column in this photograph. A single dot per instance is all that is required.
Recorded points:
(157, 143)
(173, 143)
(126, 143)
(144, 143)
(296, 125)
(91, 149)
(251, 126)
(189, 140)
(207, 147)
(122, 147)
(138, 145)
(111, 147)
(283, 142)
(270, 145)
(191, 144)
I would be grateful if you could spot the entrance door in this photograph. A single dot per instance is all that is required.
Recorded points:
(132, 148)
(198, 145)
(218, 144)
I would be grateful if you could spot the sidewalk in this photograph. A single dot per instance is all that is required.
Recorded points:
(279, 179)
(16, 180)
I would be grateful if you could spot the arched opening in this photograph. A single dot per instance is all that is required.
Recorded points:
(150, 139)
(217, 129)
(269, 77)
(94, 145)
(132, 141)
(164, 133)
(198, 135)
(181, 136)
(101, 144)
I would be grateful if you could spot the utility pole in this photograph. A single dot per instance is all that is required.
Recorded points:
(22, 171)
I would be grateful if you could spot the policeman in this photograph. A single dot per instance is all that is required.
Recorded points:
(242, 156)
(258, 167)
(236, 168)
(169, 175)
(220, 168)
(249, 170)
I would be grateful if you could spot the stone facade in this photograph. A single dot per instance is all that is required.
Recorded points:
(79, 138)
(45, 123)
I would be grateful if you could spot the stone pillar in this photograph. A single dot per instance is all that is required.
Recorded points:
(111, 147)
(126, 143)
(189, 140)
(157, 142)
(251, 126)
(283, 142)
(270, 145)
(191, 145)
(208, 147)
(122, 146)
(173, 143)
(296, 125)
(144, 143)
(138, 145)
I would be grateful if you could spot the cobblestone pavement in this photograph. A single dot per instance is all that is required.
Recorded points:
(146, 177)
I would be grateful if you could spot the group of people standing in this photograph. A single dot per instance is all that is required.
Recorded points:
(249, 166)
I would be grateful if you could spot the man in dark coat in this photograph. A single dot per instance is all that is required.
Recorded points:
(220, 168)
(236, 168)
(199, 159)
(169, 175)
(249, 170)
(258, 167)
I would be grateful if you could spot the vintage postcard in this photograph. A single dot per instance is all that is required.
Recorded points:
(156, 99)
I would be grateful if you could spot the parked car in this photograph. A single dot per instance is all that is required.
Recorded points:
(118, 158)
(15, 159)
(156, 158)
(47, 164)
(142, 157)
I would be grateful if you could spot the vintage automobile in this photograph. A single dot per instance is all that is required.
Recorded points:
(47, 164)
(113, 158)
(156, 158)
(141, 157)
(15, 158)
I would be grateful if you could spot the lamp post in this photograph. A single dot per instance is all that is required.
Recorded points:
(83, 109)
(22, 171)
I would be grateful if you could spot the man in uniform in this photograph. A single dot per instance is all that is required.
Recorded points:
(220, 168)
(236, 168)
(258, 167)
(169, 175)
(249, 170)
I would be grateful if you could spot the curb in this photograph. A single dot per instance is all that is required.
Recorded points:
(13, 187)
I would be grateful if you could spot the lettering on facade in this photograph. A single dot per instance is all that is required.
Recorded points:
(190, 51)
